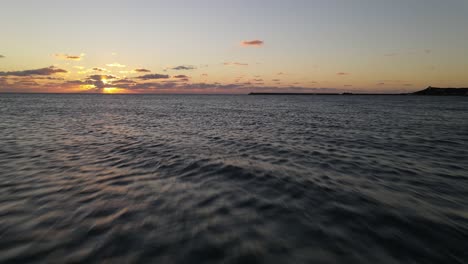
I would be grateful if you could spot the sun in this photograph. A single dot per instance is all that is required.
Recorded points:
(113, 90)
(110, 90)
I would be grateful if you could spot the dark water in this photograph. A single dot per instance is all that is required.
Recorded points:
(233, 179)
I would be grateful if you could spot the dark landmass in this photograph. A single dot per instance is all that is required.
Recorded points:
(442, 91)
(428, 91)
(253, 93)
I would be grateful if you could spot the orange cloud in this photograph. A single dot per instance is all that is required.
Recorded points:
(254, 43)
(70, 57)
(343, 73)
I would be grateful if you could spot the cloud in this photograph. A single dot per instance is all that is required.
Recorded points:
(153, 76)
(391, 54)
(181, 76)
(254, 43)
(43, 71)
(26, 83)
(99, 69)
(381, 83)
(123, 82)
(280, 73)
(96, 83)
(184, 68)
(348, 85)
(70, 57)
(235, 64)
(99, 81)
(428, 51)
(77, 82)
(175, 86)
(343, 73)
(142, 70)
(145, 86)
(205, 75)
(45, 78)
(115, 64)
(102, 77)
(1, 56)
(276, 80)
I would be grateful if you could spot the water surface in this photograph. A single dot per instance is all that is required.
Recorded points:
(233, 179)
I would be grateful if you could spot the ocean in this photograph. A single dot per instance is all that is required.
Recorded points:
(233, 179)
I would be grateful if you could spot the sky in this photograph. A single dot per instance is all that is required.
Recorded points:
(220, 46)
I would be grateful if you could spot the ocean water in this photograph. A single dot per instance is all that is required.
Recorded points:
(233, 179)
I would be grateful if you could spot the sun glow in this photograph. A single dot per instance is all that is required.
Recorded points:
(113, 90)
(110, 90)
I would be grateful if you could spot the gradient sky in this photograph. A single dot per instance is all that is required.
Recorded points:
(298, 45)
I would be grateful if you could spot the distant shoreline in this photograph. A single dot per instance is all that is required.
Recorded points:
(432, 91)
(323, 94)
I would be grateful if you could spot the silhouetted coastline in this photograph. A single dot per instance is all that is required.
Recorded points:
(253, 93)
(428, 91)
(443, 91)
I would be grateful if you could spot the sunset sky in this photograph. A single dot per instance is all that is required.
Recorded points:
(238, 46)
